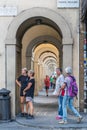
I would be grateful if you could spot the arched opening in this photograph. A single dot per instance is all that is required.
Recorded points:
(42, 52)
(46, 59)
(27, 32)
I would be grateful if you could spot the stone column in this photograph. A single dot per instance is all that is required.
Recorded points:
(32, 63)
(36, 76)
(10, 74)
(41, 76)
(67, 56)
(67, 53)
(28, 62)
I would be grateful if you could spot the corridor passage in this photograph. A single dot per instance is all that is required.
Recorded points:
(45, 105)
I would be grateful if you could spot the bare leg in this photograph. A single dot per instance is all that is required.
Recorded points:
(22, 98)
(30, 104)
(47, 92)
(27, 107)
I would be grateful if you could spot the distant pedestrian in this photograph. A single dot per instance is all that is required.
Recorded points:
(51, 81)
(59, 83)
(54, 82)
(47, 84)
(29, 92)
(67, 99)
(22, 82)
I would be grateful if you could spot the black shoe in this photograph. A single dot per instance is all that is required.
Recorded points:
(30, 117)
(25, 114)
(20, 115)
(47, 95)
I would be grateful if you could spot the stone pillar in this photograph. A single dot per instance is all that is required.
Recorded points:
(36, 76)
(10, 74)
(32, 65)
(67, 53)
(60, 60)
(41, 76)
(28, 62)
(82, 67)
(42, 79)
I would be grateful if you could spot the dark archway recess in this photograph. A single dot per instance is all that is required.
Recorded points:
(26, 25)
(33, 22)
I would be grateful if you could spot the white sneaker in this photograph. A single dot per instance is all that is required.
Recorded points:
(62, 122)
(79, 119)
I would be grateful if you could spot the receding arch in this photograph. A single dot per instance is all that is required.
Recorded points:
(48, 52)
(38, 40)
(49, 57)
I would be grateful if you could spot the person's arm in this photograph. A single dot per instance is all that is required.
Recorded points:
(62, 87)
(18, 83)
(28, 87)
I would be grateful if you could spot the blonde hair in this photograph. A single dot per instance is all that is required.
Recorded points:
(25, 69)
(31, 72)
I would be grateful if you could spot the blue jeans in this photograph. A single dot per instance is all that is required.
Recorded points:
(60, 109)
(68, 101)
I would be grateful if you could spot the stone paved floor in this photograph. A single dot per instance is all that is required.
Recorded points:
(45, 113)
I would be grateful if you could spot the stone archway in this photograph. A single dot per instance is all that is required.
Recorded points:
(37, 41)
(41, 54)
(13, 43)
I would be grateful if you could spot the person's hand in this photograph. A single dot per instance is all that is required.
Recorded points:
(24, 93)
(58, 94)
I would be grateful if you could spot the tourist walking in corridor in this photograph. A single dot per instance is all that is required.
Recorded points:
(59, 83)
(22, 82)
(51, 81)
(47, 84)
(54, 82)
(68, 96)
(29, 92)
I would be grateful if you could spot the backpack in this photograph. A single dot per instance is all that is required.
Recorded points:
(73, 88)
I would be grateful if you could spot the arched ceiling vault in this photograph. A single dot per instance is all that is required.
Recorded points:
(45, 50)
(48, 52)
(45, 55)
(50, 59)
(39, 21)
